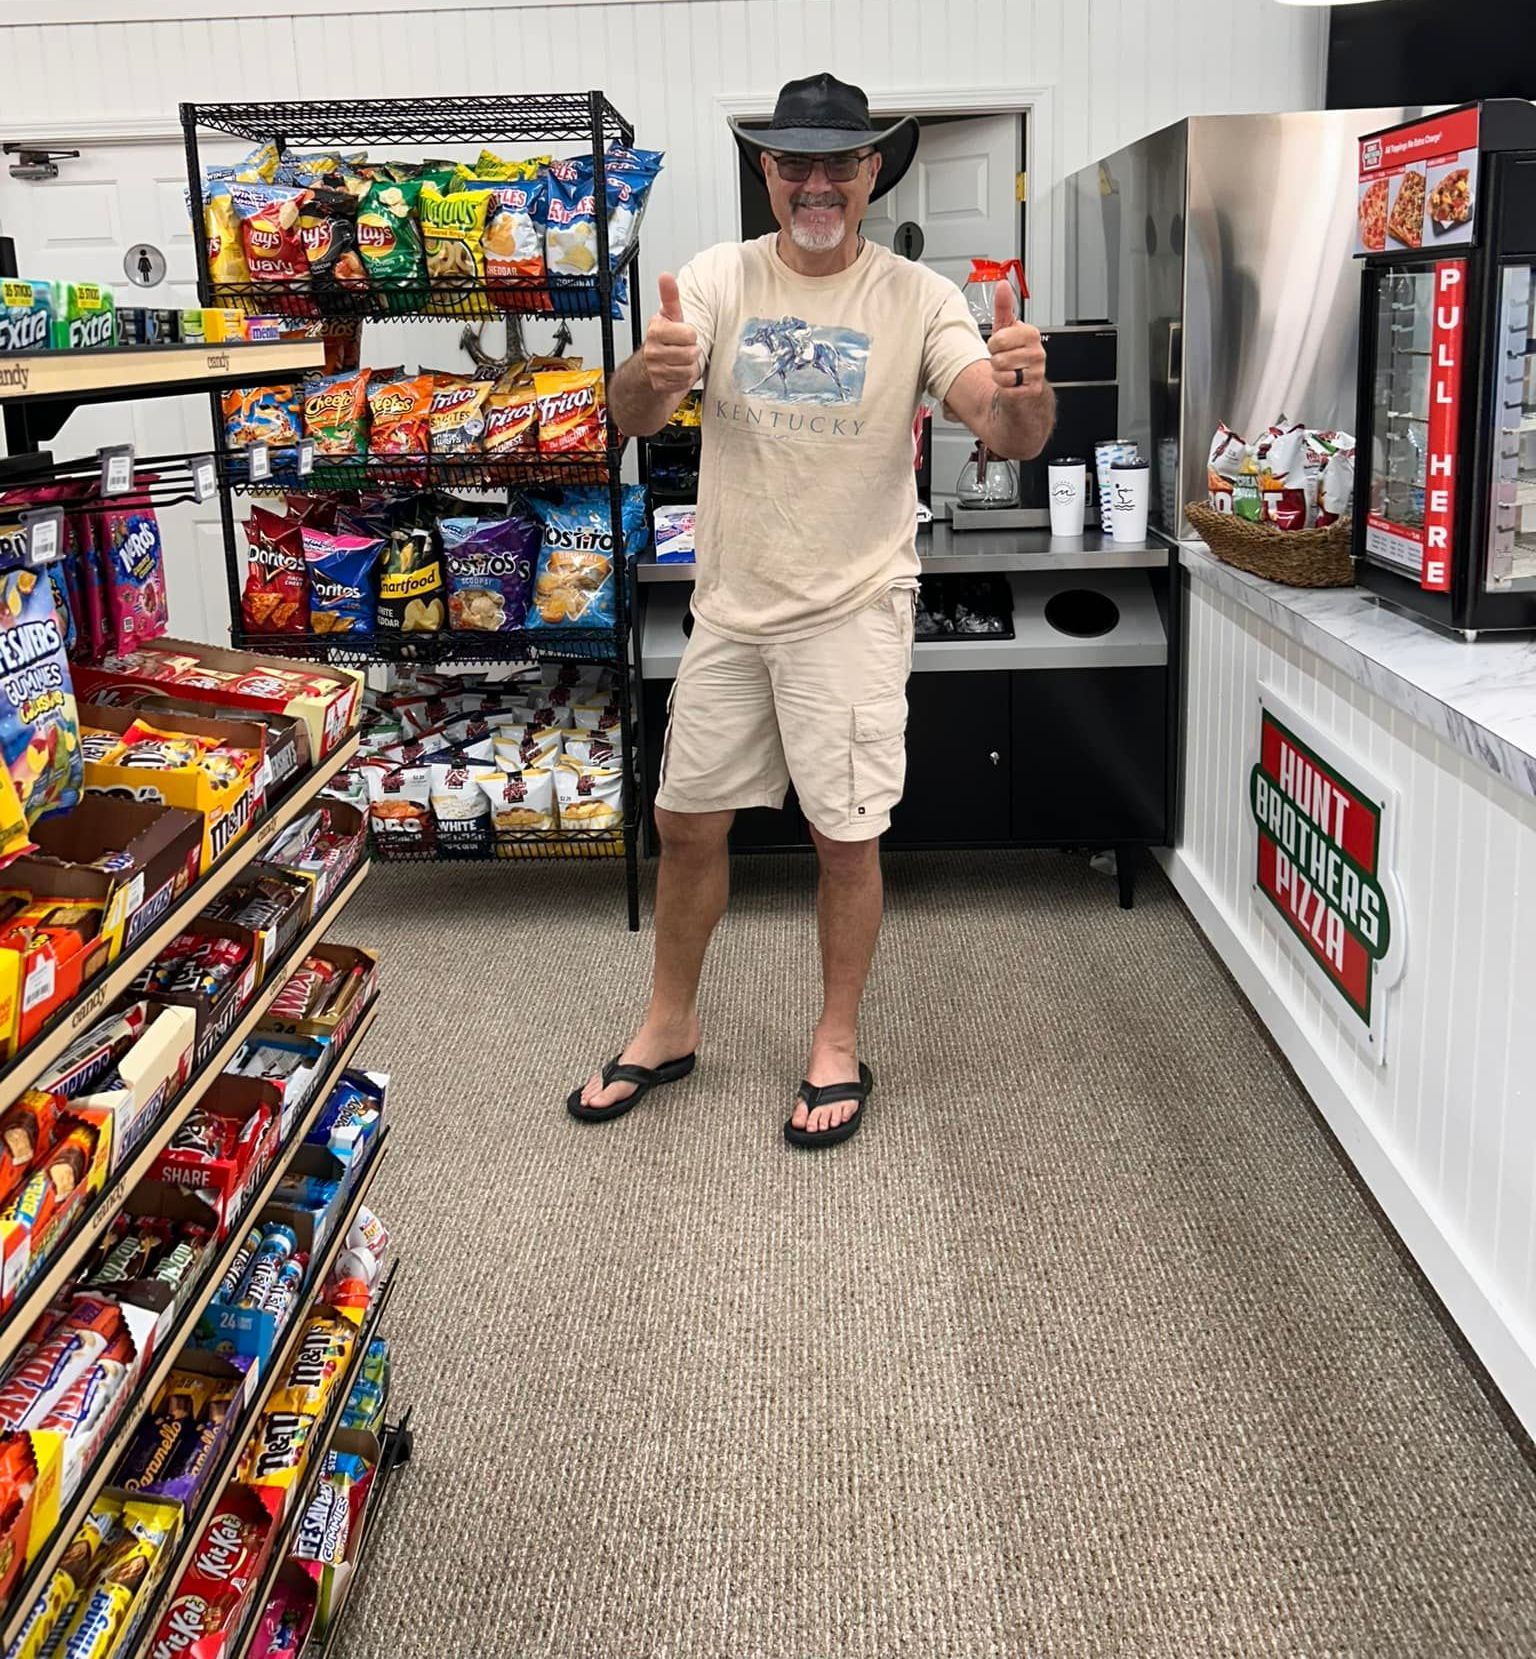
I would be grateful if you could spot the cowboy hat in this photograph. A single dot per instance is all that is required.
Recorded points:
(823, 116)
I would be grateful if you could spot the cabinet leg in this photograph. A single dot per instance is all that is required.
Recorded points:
(1125, 872)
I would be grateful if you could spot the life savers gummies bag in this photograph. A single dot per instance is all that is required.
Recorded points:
(39, 729)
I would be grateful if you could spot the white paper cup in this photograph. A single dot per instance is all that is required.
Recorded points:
(1068, 490)
(1130, 488)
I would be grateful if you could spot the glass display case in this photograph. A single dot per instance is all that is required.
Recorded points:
(1445, 461)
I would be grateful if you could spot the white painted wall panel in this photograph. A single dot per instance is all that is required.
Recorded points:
(1449, 1118)
(1116, 69)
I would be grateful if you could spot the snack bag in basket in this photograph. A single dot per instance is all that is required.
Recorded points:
(453, 233)
(389, 240)
(1338, 485)
(1222, 468)
(1283, 477)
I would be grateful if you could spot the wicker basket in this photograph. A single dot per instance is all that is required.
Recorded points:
(1299, 558)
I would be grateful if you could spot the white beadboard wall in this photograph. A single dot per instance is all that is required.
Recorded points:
(1114, 68)
(1444, 1133)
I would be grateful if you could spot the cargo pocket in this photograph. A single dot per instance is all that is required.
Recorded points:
(878, 764)
(666, 741)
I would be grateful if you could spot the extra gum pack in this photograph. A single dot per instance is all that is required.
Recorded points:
(26, 316)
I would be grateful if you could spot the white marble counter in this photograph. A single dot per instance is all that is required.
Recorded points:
(1481, 698)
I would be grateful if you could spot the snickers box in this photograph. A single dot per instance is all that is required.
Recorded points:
(155, 854)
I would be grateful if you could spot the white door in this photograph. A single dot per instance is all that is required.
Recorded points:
(960, 194)
(77, 228)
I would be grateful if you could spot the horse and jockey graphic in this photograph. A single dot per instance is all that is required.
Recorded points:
(787, 360)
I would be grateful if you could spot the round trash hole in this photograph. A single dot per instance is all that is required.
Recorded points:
(1082, 612)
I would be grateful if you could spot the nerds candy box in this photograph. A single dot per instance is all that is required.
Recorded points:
(26, 316)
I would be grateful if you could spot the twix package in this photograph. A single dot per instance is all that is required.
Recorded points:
(573, 414)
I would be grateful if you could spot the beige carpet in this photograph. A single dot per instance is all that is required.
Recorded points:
(1088, 1345)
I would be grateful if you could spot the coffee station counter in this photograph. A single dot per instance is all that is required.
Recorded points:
(1058, 736)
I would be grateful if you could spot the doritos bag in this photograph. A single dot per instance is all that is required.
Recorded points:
(276, 597)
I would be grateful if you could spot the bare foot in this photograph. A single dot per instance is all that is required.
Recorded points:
(656, 1042)
(833, 1060)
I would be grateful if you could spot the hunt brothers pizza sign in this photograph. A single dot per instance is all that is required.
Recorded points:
(1323, 835)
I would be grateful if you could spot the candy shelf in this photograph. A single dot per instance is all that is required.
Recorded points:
(167, 1351)
(97, 994)
(277, 1366)
(395, 1453)
(114, 372)
(97, 1216)
(586, 119)
(424, 472)
(320, 1443)
(593, 645)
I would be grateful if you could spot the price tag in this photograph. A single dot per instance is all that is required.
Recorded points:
(117, 469)
(203, 476)
(259, 460)
(306, 457)
(45, 536)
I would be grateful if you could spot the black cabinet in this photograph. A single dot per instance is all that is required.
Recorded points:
(1090, 755)
(958, 766)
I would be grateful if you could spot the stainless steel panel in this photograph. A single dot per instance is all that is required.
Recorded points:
(1271, 292)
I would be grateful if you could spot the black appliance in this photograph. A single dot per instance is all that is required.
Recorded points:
(1445, 469)
(1081, 363)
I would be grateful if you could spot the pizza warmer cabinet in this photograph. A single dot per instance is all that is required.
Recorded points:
(1445, 472)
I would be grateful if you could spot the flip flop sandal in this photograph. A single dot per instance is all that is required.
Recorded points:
(829, 1094)
(645, 1078)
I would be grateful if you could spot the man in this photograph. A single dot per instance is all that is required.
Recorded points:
(815, 347)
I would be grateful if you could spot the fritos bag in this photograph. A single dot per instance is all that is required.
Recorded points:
(512, 419)
(457, 418)
(573, 415)
(276, 597)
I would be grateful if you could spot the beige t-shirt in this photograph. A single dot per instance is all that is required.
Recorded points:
(807, 505)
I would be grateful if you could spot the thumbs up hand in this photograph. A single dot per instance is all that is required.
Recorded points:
(1018, 356)
(671, 349)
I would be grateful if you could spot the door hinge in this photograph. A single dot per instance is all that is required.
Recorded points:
(1021, 187)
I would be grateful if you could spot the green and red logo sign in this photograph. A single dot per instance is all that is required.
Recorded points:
(1322, 842)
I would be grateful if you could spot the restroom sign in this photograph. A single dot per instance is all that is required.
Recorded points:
(1323, 832)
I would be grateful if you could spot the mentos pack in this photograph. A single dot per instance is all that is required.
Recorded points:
(86, 316)
(26, 316)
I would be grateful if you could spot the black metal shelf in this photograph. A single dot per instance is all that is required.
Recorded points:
(537, 117)
(520, 844)
(422, 472)
(595, 645)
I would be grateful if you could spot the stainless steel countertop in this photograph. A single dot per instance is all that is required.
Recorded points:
(945, 551)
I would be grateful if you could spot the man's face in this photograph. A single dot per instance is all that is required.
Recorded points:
(818, 211)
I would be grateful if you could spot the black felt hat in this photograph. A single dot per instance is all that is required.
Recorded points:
(823, 116)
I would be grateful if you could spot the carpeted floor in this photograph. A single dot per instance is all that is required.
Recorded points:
(1088, 1345)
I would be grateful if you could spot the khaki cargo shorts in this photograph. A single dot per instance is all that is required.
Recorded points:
(828, 714)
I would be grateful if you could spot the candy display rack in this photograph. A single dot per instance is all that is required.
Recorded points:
(36, 397)
(587, 119)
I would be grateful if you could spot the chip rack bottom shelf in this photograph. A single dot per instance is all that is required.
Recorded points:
(514, 844)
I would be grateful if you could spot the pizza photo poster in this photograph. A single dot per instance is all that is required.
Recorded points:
(1418, 184)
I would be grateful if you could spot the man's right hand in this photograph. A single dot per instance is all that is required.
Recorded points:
(671, 349)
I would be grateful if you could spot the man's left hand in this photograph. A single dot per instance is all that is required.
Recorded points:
(1015, 347)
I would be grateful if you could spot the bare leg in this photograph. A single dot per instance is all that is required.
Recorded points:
(849, 900)
(691, 889)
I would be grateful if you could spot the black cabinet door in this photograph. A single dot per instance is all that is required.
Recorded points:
(957, 761)
(1089, 755)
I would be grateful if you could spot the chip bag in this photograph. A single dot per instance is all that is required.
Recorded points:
(490, 564)
(269, 228)
(511, 419)
(521, 799)
(457, 419)
(515, 223)
(1282, 460)
(399, 413)
(410, 585)
(573, 414)
(574, 586)
(39, 729)
(389, 240)
(328, 225)
(336, 413)
(590, 797)
(226, 246)
(271, 415)
(570, 242)
(453, 233)
(1337, 489)
(1225, 462)
(627, 179)
(276, 597)
(343, 582)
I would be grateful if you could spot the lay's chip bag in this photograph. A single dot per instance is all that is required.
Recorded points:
(39, 729)
(389, 241)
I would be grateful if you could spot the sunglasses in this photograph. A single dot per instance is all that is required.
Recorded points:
(839, 168)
